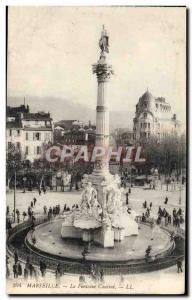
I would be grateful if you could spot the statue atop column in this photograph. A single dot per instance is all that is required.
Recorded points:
(102, 69)
(104, 41)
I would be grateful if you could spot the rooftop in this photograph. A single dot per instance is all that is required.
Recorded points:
(37, 116)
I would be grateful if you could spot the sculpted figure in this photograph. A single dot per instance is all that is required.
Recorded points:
(104, 41)
(88, 194)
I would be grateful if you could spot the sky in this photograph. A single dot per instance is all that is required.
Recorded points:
(51, 51)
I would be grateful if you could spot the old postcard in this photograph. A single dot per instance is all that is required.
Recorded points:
(96, 150)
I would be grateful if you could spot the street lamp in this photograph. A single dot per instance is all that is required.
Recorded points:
(24, 181)
(180, 188)
(15, 187)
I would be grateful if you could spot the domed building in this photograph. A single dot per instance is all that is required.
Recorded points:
(153, 117)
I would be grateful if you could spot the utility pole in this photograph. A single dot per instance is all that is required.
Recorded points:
(180, 188)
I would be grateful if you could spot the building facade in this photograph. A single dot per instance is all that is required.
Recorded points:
(28, 132)
(74, 132)
(153, 118)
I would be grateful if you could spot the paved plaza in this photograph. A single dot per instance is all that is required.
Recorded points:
(136, 198)
(168, 278)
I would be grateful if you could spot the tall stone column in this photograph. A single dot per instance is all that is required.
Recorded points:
(103, 72)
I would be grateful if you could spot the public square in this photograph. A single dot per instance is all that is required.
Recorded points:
(132, 283)
(136, 198)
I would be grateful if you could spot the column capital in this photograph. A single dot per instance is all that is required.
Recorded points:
(103, 72)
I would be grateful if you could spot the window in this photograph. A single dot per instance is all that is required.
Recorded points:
(38, 150)
(47, 135)
(27, 136)
(145, 125)
(36, 136)
(26, 150)
(149, 125)
(18, 132)
(10, 132)
(18, 145)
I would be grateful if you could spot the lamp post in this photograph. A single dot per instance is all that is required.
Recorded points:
(24, 181)
(180, 188)
(130, 178)
(14, 203)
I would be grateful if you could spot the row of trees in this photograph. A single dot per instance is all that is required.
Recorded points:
(169, 155)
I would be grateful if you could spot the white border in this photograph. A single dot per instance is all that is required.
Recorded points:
(4, 3)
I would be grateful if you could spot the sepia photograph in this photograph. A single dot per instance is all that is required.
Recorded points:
(96, 161)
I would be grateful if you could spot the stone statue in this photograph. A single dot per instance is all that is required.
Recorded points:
(104, 41)
(95, 207)
(88, 195)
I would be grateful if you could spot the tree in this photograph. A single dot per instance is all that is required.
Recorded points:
(14, 161)
(168, 155)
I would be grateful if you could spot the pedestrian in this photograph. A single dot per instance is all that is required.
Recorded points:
(174, 212)
(18, 219)
(177, 221)
(179, 212)
(31, 204)
(179, 266)
(181, 219)
(8, 268)
(71, 185)
(26, 272)
(34, 201)
(143, 218)
(45, 210)
(150, 205)
(24, 215)
(39, 191)
(18, 215)
(81, 279)
(101, 275)
(166, 200)
(166, 220)
(58, 274)
(169, 219)
(31, 273)
(15, 270)
(127, 198)
(19, 269)
(29, 212)
(15, 256)
(43, 267)
(145, 204)
(148, 212)
(7, 211)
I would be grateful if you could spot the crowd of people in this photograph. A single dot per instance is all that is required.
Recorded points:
(163, 216)
(97, 273)
(175, 219)
(28, 270)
